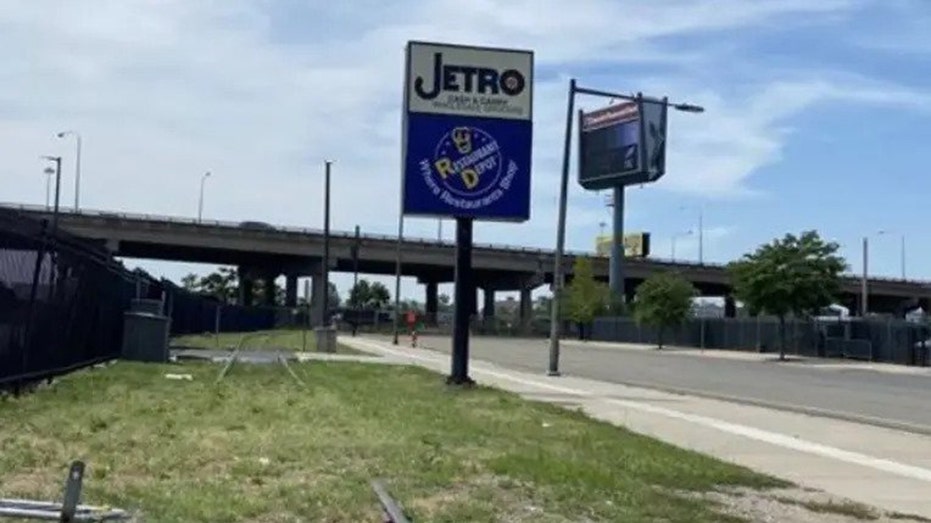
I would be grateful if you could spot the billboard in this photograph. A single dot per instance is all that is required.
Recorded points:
(622, 144)
(467, 132)
(636, 245)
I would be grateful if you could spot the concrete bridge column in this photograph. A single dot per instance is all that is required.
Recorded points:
(432, 302)
(246, 284)
(526, 309)
(268, 285)
(488, 309)
(290, 295)
(730, 307)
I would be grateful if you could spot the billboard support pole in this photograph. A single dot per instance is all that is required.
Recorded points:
(463, 293)
(553, 369)
(616, 262)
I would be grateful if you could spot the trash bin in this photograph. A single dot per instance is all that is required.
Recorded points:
(326, 338)
(145, 337)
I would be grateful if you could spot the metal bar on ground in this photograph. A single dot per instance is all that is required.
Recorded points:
(393, 511)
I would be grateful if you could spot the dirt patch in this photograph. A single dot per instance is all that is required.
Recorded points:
(795, 505)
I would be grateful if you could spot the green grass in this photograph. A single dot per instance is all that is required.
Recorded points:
(258, 447)
(287, 339)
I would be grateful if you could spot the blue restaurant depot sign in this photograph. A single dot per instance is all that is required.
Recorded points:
(468, 126)
(622, 144)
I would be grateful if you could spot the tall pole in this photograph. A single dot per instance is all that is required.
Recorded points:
(397, 277)
(701, 236)
(77, 166)
(326, 243)
(902, 254)
(439, 230)
(355, 258)
(77, 175)
(616, 263)
(553, 369)
(49, 173)
(57, 161)
(200, 201)
(864, 297)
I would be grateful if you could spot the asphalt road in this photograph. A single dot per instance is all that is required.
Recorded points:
(897, 400)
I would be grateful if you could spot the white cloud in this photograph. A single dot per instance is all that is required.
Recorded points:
(162, 91)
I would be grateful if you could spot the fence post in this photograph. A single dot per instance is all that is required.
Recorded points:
(759, 335)
(701, 333)
(216, 325)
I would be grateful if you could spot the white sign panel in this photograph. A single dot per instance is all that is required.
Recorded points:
(468, 81)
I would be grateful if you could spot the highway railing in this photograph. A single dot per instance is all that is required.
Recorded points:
(259, 228)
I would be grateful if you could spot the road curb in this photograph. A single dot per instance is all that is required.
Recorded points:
(809, 411)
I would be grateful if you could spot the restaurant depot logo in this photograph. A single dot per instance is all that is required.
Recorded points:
(468, 169)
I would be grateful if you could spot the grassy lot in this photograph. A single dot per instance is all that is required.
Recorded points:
(259, 447)
(276, 339)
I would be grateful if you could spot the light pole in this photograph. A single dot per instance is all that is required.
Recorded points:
(77, 166)
(676, 237)
(200, 202)
(901, 249)
(616, 272)
(439, 230)
(57, 161)
(864, 290)
(701, 232)
(49, 173)
(326, 245)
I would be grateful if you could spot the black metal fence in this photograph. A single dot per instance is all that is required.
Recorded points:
(193, 313)
(882, 340)
(61, 301)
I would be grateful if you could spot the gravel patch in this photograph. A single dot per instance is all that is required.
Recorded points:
(796, 505)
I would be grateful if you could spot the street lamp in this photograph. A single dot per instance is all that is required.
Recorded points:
(200, 202)
(864, 285)
(49, 173)
(77, 166)
(326, 245)
(676, 237)
(616, 272)
(901, 249)
(701, 232)
(57, 161)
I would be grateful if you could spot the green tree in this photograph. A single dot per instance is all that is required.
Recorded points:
(796, 275)
(221, 284)
(585, 297)
(190, 282)
(444, 303)
(664, 301)
(369, 295)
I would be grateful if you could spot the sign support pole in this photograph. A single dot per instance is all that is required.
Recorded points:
(464, 293)
(616, 267)
(553, 369)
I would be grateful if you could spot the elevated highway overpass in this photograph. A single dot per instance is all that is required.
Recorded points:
(264, 251)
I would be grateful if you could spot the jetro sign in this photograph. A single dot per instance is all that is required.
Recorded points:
(467, 132)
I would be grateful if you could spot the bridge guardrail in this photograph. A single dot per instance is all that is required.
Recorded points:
(386, 237)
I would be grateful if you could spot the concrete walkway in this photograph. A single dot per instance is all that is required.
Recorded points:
(881, 467)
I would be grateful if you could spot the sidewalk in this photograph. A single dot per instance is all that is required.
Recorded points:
(815, 363)
(884, 468)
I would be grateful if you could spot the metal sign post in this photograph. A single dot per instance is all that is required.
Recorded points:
(467, 135)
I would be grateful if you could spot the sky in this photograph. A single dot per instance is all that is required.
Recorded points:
(816, 114)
